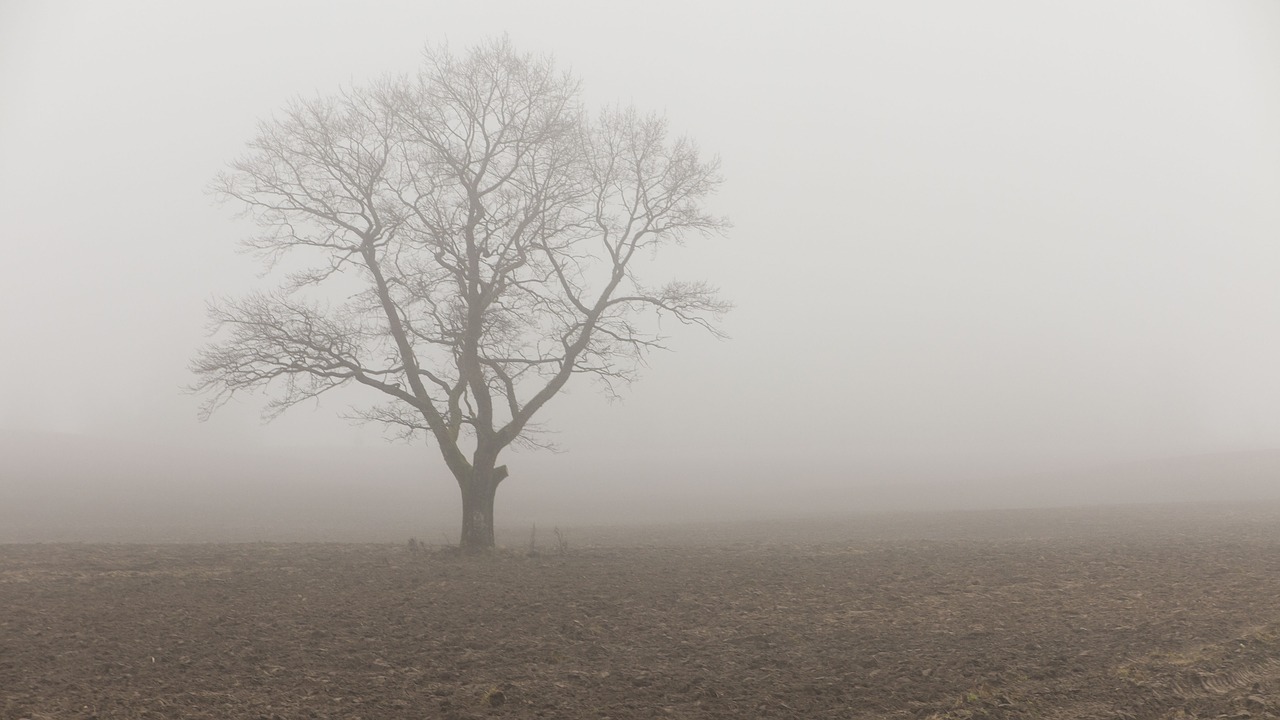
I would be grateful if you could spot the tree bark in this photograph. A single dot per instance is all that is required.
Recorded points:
(478, 493)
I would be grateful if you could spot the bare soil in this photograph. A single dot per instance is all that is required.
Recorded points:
(1152, 613)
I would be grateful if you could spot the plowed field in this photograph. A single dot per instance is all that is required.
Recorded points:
(1052, 614)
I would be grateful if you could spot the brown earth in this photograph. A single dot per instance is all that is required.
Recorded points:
(1139, 613)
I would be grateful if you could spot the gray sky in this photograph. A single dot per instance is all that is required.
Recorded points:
(990, 232)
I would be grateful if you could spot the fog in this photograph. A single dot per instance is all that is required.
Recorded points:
(995, 254)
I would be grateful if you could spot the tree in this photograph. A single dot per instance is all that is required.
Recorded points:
(483, 230)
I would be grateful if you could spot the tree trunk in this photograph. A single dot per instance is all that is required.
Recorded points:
(477, 513)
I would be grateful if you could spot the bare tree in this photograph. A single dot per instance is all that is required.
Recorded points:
(483, 230)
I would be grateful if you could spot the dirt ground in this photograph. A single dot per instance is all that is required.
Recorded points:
(1138, 613)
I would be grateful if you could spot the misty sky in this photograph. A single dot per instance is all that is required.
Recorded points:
(969, 231)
